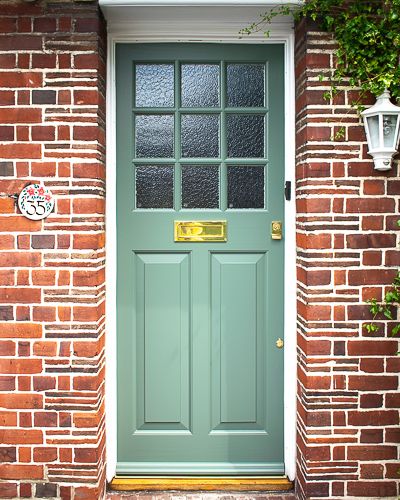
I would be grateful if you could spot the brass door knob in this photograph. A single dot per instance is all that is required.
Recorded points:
(279, 343)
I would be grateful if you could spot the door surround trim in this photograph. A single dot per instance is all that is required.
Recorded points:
(193, 32)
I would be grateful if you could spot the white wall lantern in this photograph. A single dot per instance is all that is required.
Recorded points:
(382, 126)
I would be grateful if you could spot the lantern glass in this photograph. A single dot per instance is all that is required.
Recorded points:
(389, 130)
(373, 127)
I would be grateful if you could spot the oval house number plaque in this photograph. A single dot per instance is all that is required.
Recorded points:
(36, 201)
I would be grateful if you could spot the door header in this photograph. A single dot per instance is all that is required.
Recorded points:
(196, 17)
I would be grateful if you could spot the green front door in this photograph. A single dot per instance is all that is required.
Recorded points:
(200, 379)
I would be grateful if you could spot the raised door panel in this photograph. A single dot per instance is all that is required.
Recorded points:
(238, 311)
(163, 340)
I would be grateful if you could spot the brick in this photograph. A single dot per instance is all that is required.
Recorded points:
(371, 241)
(44, 25)
(20, 115)
(370, 205)
(373, 258)
(45, 419)
(43, 133)
(43, 241)
(14, 79)
(43, 277)
(372, 365)
(20, 295)
(372, 489)
(23, 366)
(45, 454)
(8, 418)
(370, 277)
(7, 383)
(86, 455)
(372, 347)
(319, 241)
(43, 383)
(8, 454)
(18, 330)
(7, 97)
(6, 169)
(314, 312)
(44, 60)
(372, 382)
(371, 452)
(88, 278)
(6, 313)
(21, 436)
(44, 313)
(88, 241)
(392, 435)
(25, 490)
(374, 187)
(44, 97)
(45, 348)
(7, 348)
(392, 400)
(371, 436)
(21, 400)
(21, 151)
(88, 206)
(17, 471)
(371, 471)
(85, 97)
(392, 470)
(6, 133)
(86, 61)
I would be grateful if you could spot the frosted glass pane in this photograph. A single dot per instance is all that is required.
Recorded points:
(154, 85)
(200, 136)
(246, 187)
(154, 136)
(200, 85)
(154, 186)
(200, 186)
(245, 136)
(373, 125)
(245, 85)
(389, 129)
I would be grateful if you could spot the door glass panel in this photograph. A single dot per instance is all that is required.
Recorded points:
(200, 85)
(154, 186)
(245, 136)
(200, 186)
(245, 85)
(246, 186)
(154, 136)
(200, 136)
(154, 85)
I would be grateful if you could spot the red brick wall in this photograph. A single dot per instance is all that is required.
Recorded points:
(348, 400)
(52, 117)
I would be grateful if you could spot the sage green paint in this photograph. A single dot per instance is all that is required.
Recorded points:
(200, 380)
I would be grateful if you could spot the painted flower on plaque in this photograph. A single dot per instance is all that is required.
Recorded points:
(36, 202)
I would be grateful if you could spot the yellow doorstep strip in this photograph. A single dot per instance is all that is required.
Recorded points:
(201, 483)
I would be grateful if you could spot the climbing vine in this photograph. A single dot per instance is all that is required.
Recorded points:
(367, 33)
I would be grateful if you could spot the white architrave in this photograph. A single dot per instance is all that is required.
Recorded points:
(210, 21)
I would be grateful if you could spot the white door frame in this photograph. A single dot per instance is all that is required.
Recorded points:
(215, 29)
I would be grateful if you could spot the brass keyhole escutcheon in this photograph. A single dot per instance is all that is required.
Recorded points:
(276, 230)
(279, 343)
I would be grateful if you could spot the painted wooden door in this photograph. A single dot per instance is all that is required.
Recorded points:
(199, 138)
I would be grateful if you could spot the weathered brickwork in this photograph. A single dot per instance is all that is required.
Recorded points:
(347, 252)
(52, 118)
